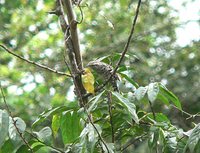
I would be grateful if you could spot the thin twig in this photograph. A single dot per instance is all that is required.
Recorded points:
(178, 141)
(34, 63)
(89, 118)
(110, 114)
(79, 22)
(15, 121)
(127, 44)
(52, 147)
(99, 135)
(132, 141)
(188, 114)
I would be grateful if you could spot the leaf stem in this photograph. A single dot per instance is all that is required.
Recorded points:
(152, 110)
(186, 113)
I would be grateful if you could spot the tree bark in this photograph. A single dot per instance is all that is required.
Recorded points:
(72, 44)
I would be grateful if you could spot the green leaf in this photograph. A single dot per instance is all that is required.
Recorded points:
(110, 147)
(53, 111)
(171, 144)
(13, 133)
(35, 145)
(94, 102)
(55, 125)
(44, 133)
(140, 92)
(23, 149)
(91, 132)
(194, 139)
(89, 137)
(4, 124)
(129, 79)
(7, 147)
(122, 87)
(153, 139)
(117, 56)
(105, 59)
(108, 58)
(122, 68)
(162, 135)
(131, 97)
(70, 127)
(160, 117)
(163, 99)
(169, 95)
(129, 106)
(153, 90)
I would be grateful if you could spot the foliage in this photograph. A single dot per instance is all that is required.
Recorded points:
(138, 118)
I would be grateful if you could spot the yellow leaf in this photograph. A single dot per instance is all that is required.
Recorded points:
(88, 80)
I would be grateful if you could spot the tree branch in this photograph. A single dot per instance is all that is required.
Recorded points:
(68, 42)
(34, 63)
(132, 141)
(110, 114)
(73, 31)
(127, 43)
(186, 113)
(15, 121)
(52, 147)
(73, 54)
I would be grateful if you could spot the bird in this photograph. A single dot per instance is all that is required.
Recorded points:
(105, 71)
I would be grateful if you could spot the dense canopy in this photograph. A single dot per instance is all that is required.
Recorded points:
(30, 31)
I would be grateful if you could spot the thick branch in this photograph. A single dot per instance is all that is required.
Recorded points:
(75, 63)
(73, 31)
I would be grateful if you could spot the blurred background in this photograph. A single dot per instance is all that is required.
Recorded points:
(165, 42)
